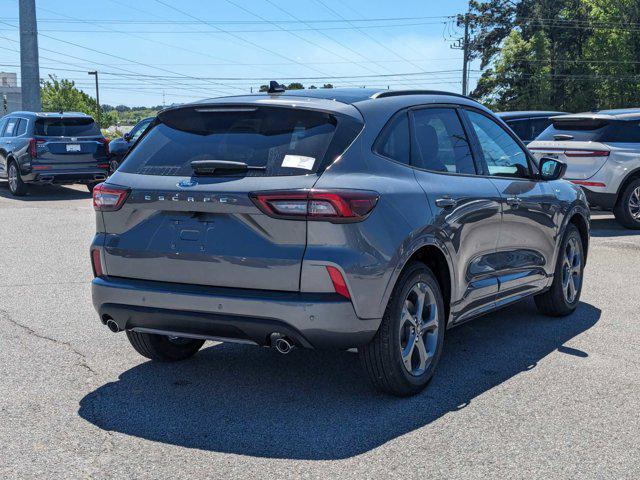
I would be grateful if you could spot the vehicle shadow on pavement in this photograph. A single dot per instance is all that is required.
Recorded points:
(319, 405)
(609, 227)
(39, 193)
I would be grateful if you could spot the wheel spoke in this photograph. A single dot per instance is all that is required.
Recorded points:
(423, 355)
(407, 351)
(421, 294)
(407, 317)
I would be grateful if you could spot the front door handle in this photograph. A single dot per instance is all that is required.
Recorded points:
(515, 202)
(446, 202)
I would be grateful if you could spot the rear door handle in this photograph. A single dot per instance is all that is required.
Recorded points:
(446, 202)
(514, 201)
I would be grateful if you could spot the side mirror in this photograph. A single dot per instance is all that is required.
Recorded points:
(127, 137)
(552, 169)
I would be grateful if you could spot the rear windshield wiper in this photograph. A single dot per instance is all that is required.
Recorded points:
(212, 167)
(562, 136)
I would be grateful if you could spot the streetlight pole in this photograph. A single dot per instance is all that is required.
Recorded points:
(99, 109)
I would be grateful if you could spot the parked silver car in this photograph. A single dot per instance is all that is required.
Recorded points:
(332, 219)
(602, 153)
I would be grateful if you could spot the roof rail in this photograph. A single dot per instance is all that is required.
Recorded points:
(398, 93)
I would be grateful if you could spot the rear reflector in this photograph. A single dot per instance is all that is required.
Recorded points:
(42, 167)
(339, 285)
(96, 263)
(588, 184)
(338, 206)
(107, 198)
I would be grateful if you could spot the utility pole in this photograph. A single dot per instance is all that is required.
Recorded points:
(99, 109)
(463, 44)
(29, 67)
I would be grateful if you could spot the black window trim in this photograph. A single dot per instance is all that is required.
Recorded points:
(406, 110)
(533, 166)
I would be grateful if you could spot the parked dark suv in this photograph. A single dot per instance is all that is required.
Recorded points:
(44, 148)
(332, 219)
(119, 147)
(528, 124)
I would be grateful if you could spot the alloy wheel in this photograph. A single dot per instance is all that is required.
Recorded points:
(419, 325)
(634, 204)
(13, 177)
(571, 270)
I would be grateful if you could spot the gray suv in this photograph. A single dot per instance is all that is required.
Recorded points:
(342, 219)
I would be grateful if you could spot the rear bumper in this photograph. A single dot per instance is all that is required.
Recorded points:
(66, 176)
(600, 199)
(312, 320)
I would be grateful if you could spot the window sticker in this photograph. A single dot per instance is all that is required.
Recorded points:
(298, 161)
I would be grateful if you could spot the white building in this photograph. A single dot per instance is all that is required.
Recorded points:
(10, 90)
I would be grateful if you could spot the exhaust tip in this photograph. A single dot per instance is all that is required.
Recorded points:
(281, 343)
(112, 325)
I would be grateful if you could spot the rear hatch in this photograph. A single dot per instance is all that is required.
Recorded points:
(67, 142)
(189, 226)
(577, 141)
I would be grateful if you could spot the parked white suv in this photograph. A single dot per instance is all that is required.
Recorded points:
(602, 151)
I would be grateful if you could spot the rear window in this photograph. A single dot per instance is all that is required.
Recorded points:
(283, 140)
(66, 127)
(580, 129)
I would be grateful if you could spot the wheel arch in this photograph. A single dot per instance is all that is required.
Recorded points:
(435, 256)
(630, 177)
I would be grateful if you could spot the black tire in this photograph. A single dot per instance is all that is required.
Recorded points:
(382, 357)
(114, 163)
(162, 348)
(622, 210)
(554, 302)
(17, 188)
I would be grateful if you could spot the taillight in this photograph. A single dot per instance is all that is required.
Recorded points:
(338, 206)
(587, 153)
(339, 285)
(108, 198)
(105, 142)
(33, 149)
(96, 263)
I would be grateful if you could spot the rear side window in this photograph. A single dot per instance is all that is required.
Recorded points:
(522, 128)
(284, 141)
(623, 132)
(440, 143)
(21, 129)
(66, 127)
(538, 125)
(394, 141)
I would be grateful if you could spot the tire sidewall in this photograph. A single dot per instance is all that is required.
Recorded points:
(19, 190)
(572, 232)
(623, 206)
(417, 273)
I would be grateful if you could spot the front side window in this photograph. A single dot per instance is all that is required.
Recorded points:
(440, 143)
(394, 140)
(502, 155)
(139, 130)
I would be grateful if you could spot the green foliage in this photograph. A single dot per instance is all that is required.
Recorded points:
(62, 95)
(295, 86)
(572, 55)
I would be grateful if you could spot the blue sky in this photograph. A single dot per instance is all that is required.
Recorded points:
(154, 51)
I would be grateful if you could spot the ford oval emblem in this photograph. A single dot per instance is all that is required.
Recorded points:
(187, 183)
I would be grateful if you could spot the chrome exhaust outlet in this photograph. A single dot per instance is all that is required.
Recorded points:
(112, 325)
(281, 343)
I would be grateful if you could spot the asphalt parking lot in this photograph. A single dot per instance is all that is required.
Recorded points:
(516, 394)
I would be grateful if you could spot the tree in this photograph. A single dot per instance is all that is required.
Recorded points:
(295, 86)
(63, 96)
(572, 55)
(327, 85)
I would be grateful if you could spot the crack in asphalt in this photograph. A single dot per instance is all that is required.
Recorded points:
(4, 315)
